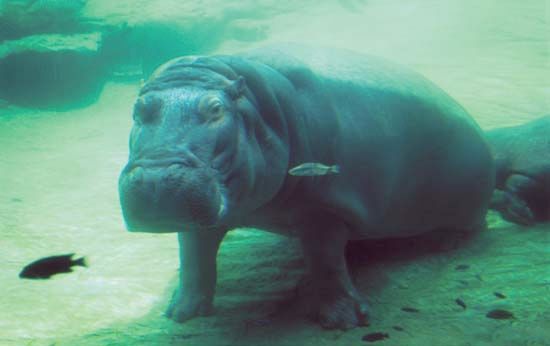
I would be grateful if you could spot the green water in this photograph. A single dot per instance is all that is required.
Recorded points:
(59, 168)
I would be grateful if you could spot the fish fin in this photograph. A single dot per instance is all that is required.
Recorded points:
(81, 262)
(335, 169)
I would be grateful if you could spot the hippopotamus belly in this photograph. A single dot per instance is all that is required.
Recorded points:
(214, 138)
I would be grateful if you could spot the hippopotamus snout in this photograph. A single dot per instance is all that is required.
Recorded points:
(182, 154)
(166, 195)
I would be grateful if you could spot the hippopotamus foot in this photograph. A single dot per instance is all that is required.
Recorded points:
(344, 311)
(195, 293)
(509, 202)
(336, 303)
(186, 306)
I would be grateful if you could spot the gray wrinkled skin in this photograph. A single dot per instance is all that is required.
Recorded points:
(522, 157)
(214, 138)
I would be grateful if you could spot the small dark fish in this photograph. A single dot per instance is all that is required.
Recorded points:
(45, 267)
(313, 168)
(408, 309)
(499, 295)
(461, 303)
(500, 314)
(372, 337)
(462, 267)
(398, 328)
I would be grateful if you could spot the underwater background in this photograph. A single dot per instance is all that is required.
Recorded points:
(70, 72)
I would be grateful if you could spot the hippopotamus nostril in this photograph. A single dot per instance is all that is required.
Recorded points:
(147, 109)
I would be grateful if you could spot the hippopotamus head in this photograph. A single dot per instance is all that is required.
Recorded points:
(198, 146)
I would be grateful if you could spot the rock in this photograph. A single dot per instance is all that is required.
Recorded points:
(26, 17)
(79, 43)
(51, 70)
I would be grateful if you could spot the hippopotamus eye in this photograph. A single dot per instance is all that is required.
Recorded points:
(215, 110)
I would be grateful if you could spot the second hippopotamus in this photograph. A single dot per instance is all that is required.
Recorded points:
(215, 136)
(522, 156)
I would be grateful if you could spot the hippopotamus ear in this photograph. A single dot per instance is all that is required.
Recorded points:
(236, 88)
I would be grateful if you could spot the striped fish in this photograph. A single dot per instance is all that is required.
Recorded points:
(310, 169)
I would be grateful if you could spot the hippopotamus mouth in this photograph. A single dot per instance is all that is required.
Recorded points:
(171, 195)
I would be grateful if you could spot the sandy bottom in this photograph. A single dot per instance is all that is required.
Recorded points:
(59, 195)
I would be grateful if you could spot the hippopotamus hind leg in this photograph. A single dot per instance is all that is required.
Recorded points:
(336, 302)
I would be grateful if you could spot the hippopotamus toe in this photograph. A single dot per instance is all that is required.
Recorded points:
(345, 312)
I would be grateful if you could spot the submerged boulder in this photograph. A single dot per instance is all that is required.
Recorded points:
(51, 70)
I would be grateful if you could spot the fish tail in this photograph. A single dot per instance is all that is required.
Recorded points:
(335, 169)
(81, 262)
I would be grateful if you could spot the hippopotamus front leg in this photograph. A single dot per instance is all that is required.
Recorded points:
(197, 281)
(336, 302)
(510, 202)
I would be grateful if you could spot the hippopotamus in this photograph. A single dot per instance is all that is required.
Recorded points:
(522, 158)
(214, 137)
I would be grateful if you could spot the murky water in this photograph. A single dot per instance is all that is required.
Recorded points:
(59, 170)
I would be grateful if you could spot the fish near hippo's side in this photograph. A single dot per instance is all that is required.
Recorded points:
(312, 169)
(214, 137)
